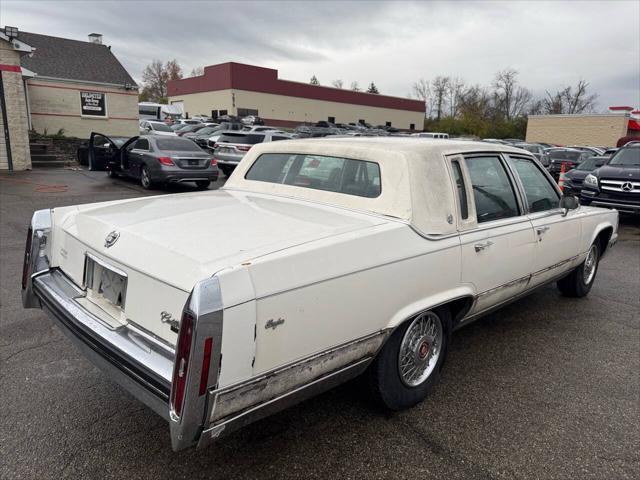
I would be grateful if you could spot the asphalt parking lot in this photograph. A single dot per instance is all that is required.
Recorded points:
(546, 388)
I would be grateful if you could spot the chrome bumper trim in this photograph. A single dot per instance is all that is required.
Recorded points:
(623, 207)
(139, 367)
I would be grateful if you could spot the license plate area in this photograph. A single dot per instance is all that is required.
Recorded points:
(105, 283)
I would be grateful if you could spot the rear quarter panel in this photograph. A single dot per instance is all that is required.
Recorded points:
(340, 289)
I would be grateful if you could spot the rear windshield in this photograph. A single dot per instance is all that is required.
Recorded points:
(626, 156)
(244, 138)
(161, 127)
(564, 155)
(333, 174)
(177, 144)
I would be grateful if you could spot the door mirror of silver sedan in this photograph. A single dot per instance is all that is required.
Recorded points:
(569, 202)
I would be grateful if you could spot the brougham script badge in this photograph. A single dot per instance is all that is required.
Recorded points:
(165, 317)
(111, 239)
(271, 323)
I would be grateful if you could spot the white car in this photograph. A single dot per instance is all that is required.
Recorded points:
(318, 261)
(148, 127)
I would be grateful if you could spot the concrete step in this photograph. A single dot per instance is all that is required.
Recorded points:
(49, 163)
(43, 157)
(38, 148)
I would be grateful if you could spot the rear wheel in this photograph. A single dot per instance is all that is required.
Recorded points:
(203, 184)
(579, 282)
(409, 364)
(145, 179)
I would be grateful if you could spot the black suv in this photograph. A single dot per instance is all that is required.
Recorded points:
(617, 184)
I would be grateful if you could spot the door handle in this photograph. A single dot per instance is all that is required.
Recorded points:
(541, 230)
(481, 246)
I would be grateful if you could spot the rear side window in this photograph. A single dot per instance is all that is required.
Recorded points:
(493, 193)
(333, 174)
(541, 195)
(142, 144)
(244, 138)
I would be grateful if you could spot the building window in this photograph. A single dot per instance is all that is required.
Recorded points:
(361, 121)
(222, 113)
(388, 124)
(331, 119)
(243, 112)
(214, 114)
(412, 126)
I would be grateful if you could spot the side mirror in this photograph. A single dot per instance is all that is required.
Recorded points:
(569, 202)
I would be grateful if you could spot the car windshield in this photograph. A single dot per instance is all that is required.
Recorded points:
(206, 130)
(565, 155)
(160, 127)
(177, 144)
(245, 138)
(589, 164)
(626, 156)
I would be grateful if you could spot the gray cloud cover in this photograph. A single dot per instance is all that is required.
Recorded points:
(550, 43)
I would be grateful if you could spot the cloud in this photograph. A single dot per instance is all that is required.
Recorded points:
(551, 44)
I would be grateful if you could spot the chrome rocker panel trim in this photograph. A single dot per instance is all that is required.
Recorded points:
(140, 367)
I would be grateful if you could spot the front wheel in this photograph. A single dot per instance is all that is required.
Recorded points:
(145, 179)
(111, 174)
(579, 282)
(409, 364)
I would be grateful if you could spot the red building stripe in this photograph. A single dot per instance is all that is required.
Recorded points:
(10, 68)
(78, 115)
(31, 84)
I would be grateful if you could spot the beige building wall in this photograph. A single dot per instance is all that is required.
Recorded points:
(590, 129)
(16, 113)
(296, 109)
(55, 105)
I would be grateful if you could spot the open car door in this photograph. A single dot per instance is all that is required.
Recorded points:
(103, 152)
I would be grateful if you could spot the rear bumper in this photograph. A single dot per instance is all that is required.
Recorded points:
(129, 356)
(178, 176)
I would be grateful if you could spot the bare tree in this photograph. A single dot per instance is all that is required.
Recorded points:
(439, 89)
(475, 102)
(570, 100)
(337, 83)
(154, 79)
(197, 71)
(511, 99)
(455, 91)
(355, 86)
(422, 90)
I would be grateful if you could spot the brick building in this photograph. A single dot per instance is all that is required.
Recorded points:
(55, 84)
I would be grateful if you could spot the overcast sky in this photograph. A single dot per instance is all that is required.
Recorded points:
(551, 44)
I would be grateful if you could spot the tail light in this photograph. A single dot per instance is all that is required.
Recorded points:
(166, 161)
(243, 148)
(206, 361)
(181, 366)
(214, 162)
(27, 259)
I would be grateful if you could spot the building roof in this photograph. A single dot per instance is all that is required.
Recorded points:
(69, 59)
(239, 76)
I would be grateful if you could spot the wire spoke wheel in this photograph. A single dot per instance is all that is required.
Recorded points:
(420, 349)
(590, 264)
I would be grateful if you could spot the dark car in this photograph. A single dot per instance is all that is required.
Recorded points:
(231, 147)
(153, 159)
(616, 184)
(573, 178)
(567, 156)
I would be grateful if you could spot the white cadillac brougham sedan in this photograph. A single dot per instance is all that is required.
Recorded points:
(318, 261)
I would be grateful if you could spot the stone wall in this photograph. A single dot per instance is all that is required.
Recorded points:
(16, 109)
(63, 148)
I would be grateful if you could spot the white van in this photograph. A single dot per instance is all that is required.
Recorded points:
(431, 135)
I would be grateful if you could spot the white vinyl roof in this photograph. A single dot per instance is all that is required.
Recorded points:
(415, 181)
